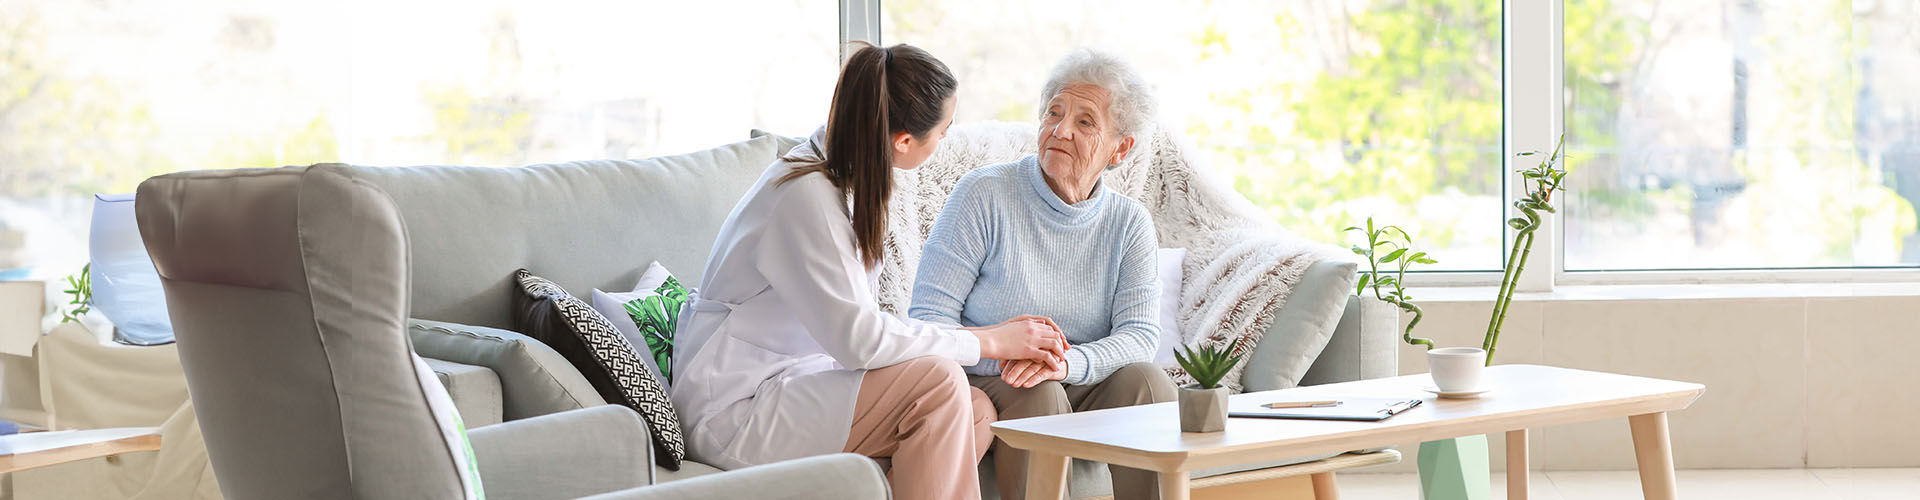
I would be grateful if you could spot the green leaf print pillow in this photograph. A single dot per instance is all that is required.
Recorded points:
(647, 316)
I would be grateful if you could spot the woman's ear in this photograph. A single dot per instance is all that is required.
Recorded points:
(902, 143)
(1120, 152)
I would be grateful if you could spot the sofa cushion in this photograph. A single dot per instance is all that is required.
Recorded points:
(647, 317)
(1171, 276)
(576, 223)
(551, 315)
(534, 380)
(475, 391)
(1302, 327)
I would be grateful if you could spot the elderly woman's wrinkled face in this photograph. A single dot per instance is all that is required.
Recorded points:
(1078, 139)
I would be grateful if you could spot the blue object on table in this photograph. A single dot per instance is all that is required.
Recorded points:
(126, 288)
(8, 428)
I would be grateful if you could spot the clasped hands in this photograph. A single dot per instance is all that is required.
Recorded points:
(1030, 348)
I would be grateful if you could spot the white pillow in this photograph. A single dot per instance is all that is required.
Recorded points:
(613, 307)
(452, 430)
(1170, 277)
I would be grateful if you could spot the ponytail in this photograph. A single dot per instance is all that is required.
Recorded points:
(869, 107)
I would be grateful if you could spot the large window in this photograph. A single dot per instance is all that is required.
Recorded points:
(1712, 134)
(1703, 134)
(96, 96)
(1323, 112)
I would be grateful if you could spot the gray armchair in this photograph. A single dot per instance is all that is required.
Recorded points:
(289, 292)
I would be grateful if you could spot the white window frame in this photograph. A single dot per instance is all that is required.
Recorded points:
(1533, 118)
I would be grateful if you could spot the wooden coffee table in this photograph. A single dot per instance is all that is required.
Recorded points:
(1521, 397)
(30, 450)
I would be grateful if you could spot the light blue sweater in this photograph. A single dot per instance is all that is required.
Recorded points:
(1006, 245)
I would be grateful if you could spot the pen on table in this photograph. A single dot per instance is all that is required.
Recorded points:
(1300, 404)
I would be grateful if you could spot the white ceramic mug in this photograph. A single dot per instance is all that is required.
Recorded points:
(1457, 369)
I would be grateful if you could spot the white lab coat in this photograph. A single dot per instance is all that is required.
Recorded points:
(770, 351)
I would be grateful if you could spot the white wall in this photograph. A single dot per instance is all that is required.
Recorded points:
(1791, 382)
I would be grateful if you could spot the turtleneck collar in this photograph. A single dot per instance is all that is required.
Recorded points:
(1067, 213)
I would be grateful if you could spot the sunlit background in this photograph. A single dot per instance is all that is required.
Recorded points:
(1702, 133)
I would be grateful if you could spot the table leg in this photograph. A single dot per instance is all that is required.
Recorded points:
(1517, 465)
(1174, 485)
(1654, 451)
(1046, 475)
(1324, 487)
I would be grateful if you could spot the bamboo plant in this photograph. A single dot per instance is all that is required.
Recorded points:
(1397, 255)
(1541, 182)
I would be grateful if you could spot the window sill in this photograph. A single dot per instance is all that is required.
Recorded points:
(1727, 291)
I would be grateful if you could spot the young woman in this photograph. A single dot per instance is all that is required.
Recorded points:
(784, 353)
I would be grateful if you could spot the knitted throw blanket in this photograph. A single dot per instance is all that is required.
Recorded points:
(1239, 267)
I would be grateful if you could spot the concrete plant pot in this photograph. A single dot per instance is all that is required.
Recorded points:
(1203, 410)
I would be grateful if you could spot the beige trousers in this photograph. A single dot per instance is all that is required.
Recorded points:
(922, 414)
(1134, 384)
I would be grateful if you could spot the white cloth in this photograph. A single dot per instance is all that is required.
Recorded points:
(771, 349)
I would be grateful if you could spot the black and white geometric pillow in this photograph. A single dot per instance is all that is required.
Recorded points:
(622, 363)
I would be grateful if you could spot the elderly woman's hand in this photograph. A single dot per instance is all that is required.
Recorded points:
(1027, 373)
(1023, 337)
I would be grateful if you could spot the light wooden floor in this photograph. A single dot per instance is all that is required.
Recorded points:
(1745, 484)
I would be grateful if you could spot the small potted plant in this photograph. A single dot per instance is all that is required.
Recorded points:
(1203, 406)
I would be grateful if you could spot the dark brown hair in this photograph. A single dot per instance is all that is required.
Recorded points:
(882, 91)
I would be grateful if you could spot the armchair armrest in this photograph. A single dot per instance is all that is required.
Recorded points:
(828, 477)
(534, 379)
(564, 455)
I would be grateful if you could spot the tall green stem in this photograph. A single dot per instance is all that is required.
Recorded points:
(1507, 281)
(1407, 335)
(1523, 243)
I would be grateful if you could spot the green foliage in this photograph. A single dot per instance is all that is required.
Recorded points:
(657, 317)
(1208, 364)
(1382, 250)
(80, 290)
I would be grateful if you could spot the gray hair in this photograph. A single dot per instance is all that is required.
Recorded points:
(1130, 99)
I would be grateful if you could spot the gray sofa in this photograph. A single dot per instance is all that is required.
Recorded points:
(598, 224)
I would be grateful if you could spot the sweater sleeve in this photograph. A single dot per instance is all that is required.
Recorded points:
(1135, 333)
(807, 254)
(950, 263)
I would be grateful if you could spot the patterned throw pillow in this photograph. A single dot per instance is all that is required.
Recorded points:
(604, 356)
(648, 316)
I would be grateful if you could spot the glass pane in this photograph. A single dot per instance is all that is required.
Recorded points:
(1742, 133)
(1322, 112)
(96, 96)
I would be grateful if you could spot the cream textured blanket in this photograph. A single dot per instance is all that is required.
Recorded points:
(1239, 267)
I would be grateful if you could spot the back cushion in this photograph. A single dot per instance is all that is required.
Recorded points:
(584, 225)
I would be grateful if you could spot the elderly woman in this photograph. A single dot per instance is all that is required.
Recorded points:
(1041, 236)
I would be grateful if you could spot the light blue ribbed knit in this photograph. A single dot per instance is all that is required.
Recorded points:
(1006, 245)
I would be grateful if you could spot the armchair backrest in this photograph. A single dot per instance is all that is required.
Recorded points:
(288, 294)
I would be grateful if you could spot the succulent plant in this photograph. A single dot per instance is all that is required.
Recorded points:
(1208, 364)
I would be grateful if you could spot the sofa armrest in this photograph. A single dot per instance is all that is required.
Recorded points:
(1366, 345)
(564, 455)
(534, 379)
(828, 477)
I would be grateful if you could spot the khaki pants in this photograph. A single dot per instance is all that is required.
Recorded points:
(922, 414)
(1134, 384)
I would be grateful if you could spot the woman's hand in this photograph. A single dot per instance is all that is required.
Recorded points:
(1026, 337)
(1027, 373)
